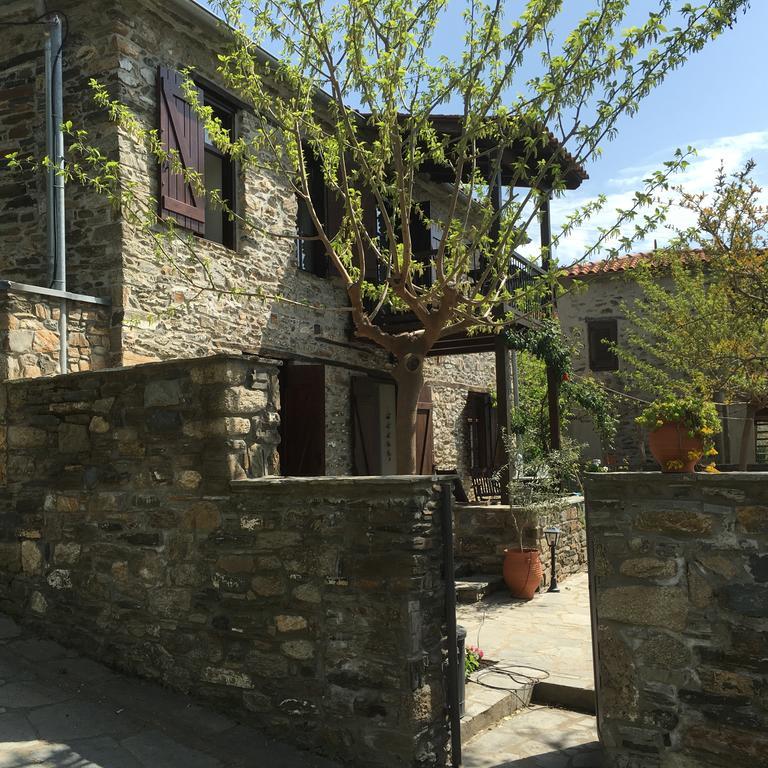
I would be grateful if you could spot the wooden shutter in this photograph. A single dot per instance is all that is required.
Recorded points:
(334, 206)
(371, 225)
(366, 429)
(482, 430)
(180, 130)
(302, 420)
(425, 444)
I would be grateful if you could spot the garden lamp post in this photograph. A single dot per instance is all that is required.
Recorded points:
(552, 535)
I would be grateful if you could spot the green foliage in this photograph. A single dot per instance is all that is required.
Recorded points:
(699, 417)
(548, 478)
(472, 658)
(700, 328)
(579, 395)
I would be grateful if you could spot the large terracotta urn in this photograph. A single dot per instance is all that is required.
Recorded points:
(522, 572)
(674, 448)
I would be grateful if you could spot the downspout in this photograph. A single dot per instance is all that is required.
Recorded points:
(56, 219)
(446, 508)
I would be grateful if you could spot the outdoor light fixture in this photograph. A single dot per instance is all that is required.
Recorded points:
(552, 535)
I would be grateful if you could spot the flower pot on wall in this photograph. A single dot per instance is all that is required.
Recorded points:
(522, 572)
(674, 448)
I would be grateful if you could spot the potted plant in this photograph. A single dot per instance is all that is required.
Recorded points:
(533, 492)
(681, 431)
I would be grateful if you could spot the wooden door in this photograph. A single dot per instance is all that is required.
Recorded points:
(425, 442)
(302, 420)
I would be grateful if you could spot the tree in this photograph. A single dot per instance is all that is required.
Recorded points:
(707, 335)
(358, 89)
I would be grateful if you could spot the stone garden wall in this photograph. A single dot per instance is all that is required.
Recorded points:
(483, 532)
(129, 528)
(679, 580)
(29, 336)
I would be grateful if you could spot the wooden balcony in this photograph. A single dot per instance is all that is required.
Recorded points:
(522, 275)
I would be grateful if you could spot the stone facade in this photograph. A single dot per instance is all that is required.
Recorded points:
(599, 297)
(483, 532)
(29, 336)
(679, 593)
(313, 608)
(158, 313)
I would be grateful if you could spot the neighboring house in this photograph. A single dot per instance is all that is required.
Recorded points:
(591, 313)
(337, 400)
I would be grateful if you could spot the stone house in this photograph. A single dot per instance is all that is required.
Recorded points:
(127, 308)
(594, 313)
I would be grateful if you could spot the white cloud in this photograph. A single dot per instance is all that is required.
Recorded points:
(730, 151)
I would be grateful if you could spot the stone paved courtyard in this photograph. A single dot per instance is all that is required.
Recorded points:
(552, 632)
(60, 710)
(539, 737)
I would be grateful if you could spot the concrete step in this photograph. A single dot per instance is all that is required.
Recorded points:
(486, 706)
(565, 696)
(472, 589)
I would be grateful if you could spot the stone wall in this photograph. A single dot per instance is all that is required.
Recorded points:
(159, 312)
(483, 532)
(92, 224)
(29, 336)
(679, 581)
(313, 608)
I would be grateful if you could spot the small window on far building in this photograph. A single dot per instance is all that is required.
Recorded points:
(599, 334)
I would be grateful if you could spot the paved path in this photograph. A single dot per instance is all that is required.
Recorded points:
(552, 632)
(538, 737)
(60, 710)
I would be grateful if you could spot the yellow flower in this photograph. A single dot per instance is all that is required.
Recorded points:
(712, 468)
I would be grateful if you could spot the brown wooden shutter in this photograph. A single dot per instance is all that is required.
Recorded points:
(302, 420)
(180, 130)
(425, 444)
(366, 429)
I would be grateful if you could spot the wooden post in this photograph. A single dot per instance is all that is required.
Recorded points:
(503, 398)
(553, 381)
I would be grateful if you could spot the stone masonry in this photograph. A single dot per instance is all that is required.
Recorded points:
(158, 312)
(679, 582)
(131, 528)
(29, 336)
(483, 532)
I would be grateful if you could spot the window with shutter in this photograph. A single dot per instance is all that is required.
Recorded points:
(761, 437)
(599, 334)
(182, 131)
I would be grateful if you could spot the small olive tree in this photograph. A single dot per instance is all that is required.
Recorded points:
(358, 88)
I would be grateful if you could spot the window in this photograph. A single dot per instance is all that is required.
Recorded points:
(761, 437)
(182, 131)
(601, 356)
(219, 175)
(310, 254)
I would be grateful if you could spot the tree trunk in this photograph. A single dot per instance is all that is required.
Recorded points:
(409, 375)
(746, 436)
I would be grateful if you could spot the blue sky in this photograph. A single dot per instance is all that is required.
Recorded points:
(716, 103)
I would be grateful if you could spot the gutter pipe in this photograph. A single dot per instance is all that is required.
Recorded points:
(56, 210)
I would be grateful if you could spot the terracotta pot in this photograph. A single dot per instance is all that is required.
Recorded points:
(674, 448)
(522, 572)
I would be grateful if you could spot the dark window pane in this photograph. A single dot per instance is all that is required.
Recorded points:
(311, 255)
(601, 356)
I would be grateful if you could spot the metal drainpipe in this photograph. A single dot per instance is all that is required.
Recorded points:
(56, 100)
(446, 508)
(50, 151)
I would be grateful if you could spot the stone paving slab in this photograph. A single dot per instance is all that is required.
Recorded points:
(538, 737)
(552, 632)
(60, 710)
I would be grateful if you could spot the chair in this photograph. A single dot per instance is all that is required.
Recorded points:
(485, 485)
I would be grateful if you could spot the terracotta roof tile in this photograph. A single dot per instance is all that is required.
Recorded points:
(621, 264)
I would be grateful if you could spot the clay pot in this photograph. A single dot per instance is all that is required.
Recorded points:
(522, 572)
(674, 448)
